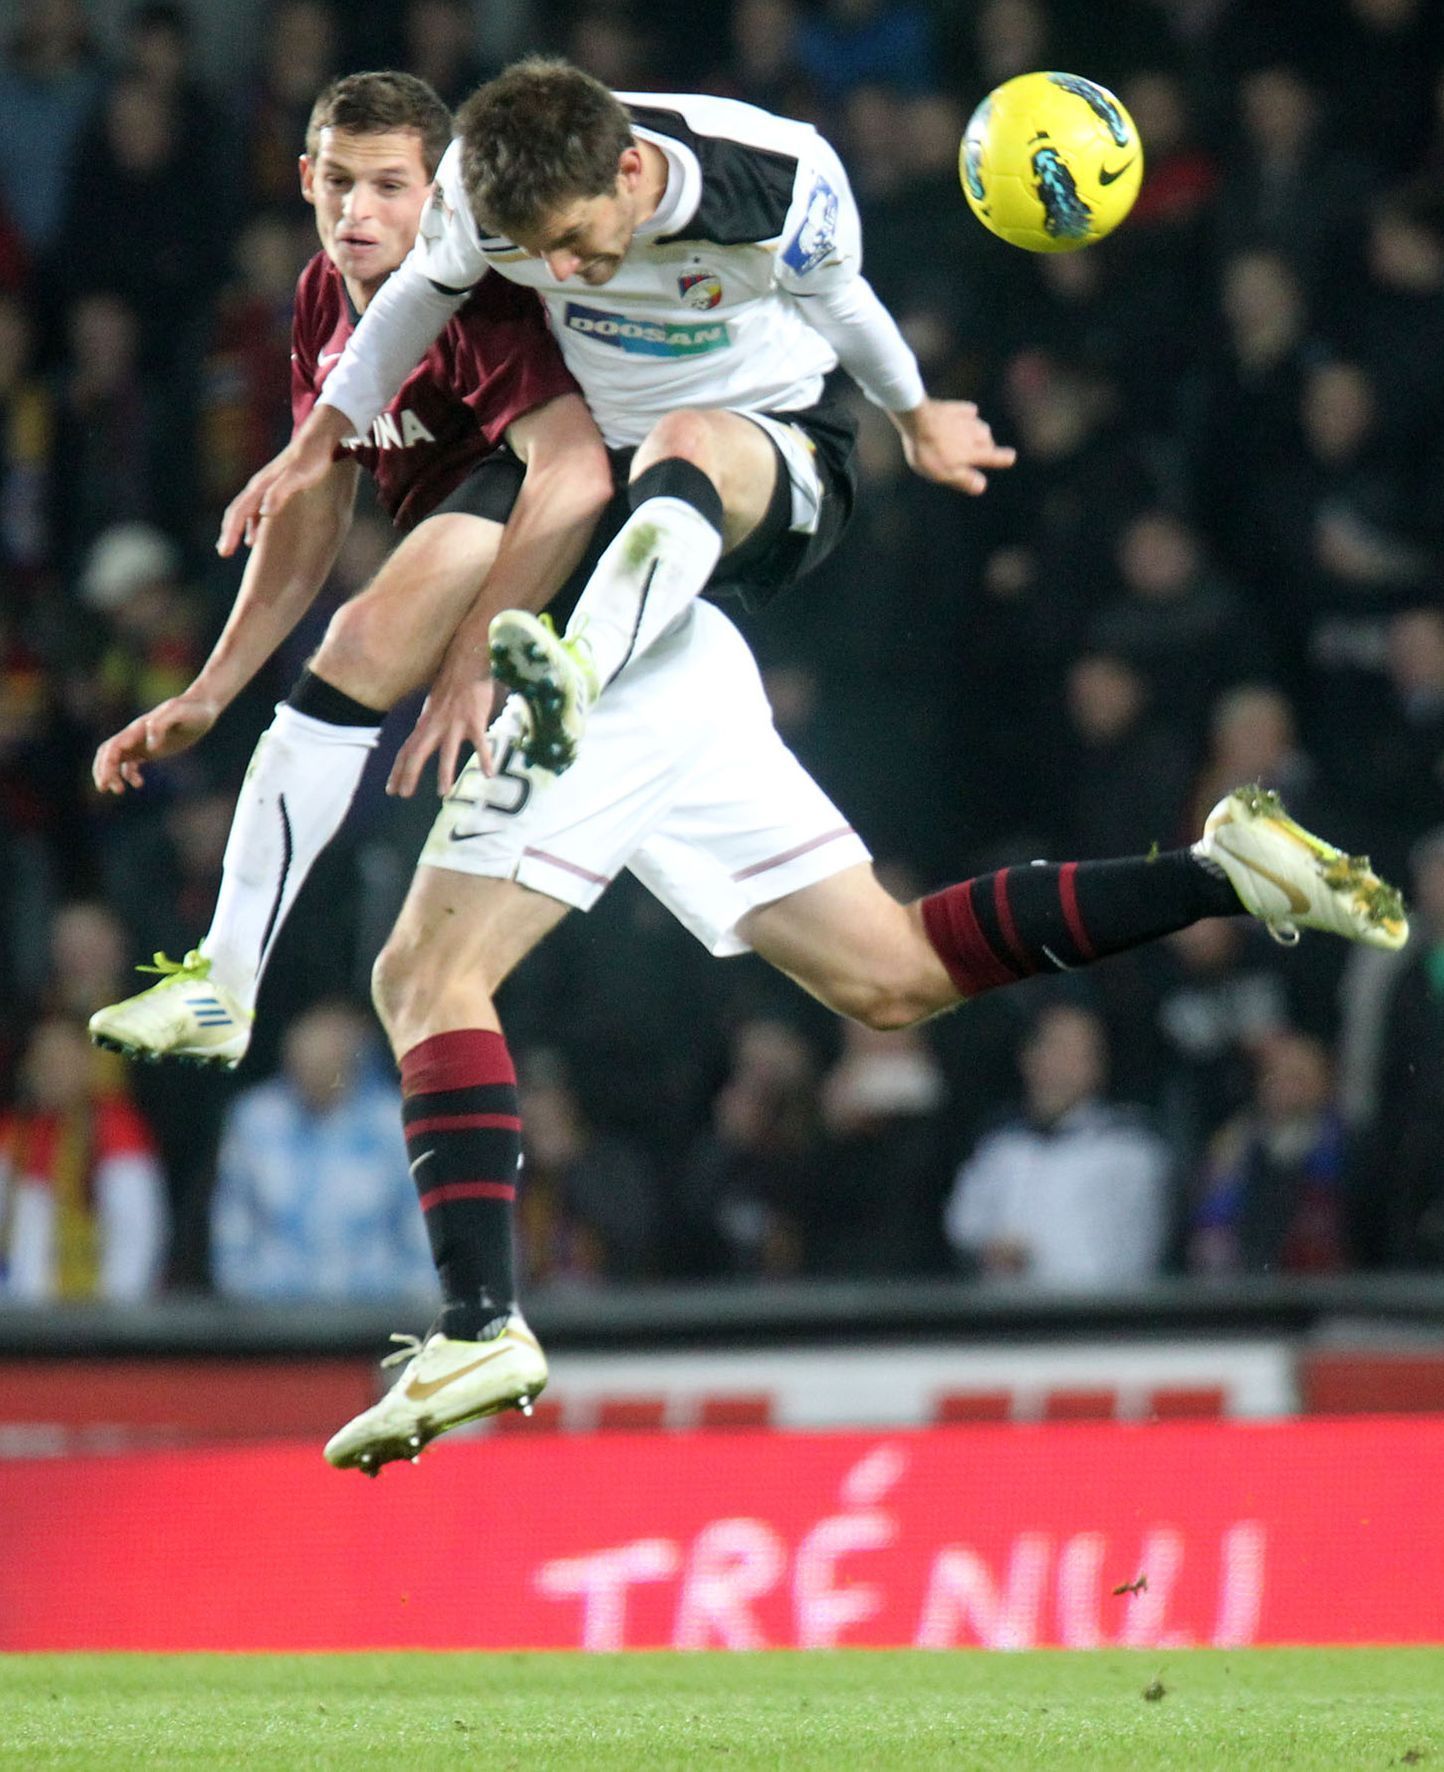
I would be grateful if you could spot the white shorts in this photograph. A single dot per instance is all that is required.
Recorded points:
(681, 777)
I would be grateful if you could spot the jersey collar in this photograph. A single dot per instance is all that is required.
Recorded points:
(684, 186)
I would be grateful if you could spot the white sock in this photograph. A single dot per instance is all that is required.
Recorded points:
(659, 561)
(301, 780)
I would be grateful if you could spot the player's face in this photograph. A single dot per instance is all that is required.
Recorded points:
(589, 237)
(368, 192)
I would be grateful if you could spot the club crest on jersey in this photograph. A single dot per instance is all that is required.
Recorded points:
(700, 289)
(817, 236)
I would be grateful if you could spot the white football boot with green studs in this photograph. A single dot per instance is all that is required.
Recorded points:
(1291, 880)
(554, 676)
(187, 1016)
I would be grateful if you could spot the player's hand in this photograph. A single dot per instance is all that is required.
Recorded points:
(303, 463)
(167, 730)
(457, 713)
(947, 442)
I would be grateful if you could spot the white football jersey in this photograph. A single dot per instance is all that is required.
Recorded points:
(705, 309)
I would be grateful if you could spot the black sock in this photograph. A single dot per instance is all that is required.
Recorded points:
(463, 1137)
(679, 479)
(1001, 927)
(319, 700)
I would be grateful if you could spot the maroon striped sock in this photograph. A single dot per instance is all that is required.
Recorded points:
(463, 1137)
(998, 928)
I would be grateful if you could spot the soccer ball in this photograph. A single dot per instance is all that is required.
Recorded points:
(1050, 162)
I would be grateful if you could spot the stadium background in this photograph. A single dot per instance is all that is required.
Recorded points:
(1218, 558)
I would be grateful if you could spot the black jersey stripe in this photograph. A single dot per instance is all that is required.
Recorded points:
(746, 190)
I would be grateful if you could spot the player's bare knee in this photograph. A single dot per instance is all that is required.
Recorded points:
(685, 434)
(878, 1003)
(353, 654)
(389, 984)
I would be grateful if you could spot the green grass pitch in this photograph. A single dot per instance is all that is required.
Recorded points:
(1126, 1711)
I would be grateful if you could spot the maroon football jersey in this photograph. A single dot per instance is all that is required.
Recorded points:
(494, 361)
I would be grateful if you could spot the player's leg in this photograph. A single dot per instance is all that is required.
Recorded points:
(702, 484)
(456, 939)
(856, 948)
(500, 868)
(302, 778)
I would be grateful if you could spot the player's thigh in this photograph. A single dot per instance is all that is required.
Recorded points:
(852, 945)
(389, 639)
(457, 937)
(737, 456)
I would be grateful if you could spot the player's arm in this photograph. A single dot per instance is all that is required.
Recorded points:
(567, 485)
(943, 440)
(395, 333)
(293, 555)
(820, 262)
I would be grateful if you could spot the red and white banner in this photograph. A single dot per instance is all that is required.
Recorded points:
(1323, 1531)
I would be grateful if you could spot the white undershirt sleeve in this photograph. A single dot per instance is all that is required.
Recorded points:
(395, 332)
(867, 341)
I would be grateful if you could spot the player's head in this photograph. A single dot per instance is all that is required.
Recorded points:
(549, 160)
(372, 148)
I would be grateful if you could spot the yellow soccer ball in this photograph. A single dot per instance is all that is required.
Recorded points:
(1050, 162)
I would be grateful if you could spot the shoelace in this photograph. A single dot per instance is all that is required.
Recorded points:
(410, 1348)
(195, 962)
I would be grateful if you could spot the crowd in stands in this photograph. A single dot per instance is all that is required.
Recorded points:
(1220, 558)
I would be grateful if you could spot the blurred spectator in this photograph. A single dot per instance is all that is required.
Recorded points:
(1388, 752)
(586, 1209)
(1221, 997)
(157, 47)
(41, 752)
(885, 1160)
(1401, 1186)
(313, 1199)
(1246, 424)
(440, 48)
(49, 79)
(1128, 774)
(747, 1195)
(1386, 52)
(27, 427)
(762, 64)
(1291, 183)
(1396, 327)
(1181, 175)
(1252, 738)
(611, 44)
(142, 222)
(150, 645)
(848, 43)
(112, 441)
(1000, 38)
(82, 1212)
(1174, 619)
(1273, 1193)
(298, 55)
(246, 373)
(1074, 1192)
(88, 951)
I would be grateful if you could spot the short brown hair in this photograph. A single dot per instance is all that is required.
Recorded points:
(539, 136)
(373, 104)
